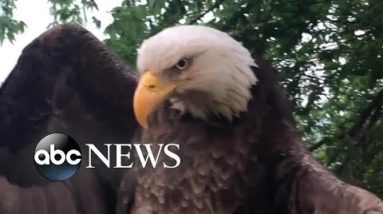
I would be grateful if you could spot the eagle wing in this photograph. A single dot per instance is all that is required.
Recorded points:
(65, 81)
(315, 190)
(301, 183)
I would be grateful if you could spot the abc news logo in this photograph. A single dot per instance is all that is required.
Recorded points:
(58, 156)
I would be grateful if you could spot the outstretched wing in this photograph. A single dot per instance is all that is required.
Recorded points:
(301, 183)
(65, 81)
(312, 189)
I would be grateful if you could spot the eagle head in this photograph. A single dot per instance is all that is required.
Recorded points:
(199, 70)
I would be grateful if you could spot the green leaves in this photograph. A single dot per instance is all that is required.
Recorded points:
(71, 11)
(134, 21)
(9, 27)
(127, 31)
(63, 11)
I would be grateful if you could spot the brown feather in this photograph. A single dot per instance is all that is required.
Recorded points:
(256, 164)
(65, 81)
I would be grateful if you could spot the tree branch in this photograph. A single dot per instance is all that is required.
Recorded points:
(376, 103)
(319, 144)
(211, 8)
(370, 112)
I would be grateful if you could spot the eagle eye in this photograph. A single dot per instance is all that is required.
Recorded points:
(182, 64)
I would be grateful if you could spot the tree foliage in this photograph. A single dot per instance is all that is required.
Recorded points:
(71, 11)
(328, 55)
(9, 27)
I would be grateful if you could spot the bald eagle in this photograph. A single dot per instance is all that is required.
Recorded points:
(197, 87)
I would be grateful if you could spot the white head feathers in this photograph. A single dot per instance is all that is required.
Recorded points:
(219, 78)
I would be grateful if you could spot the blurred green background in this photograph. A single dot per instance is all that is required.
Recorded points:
(329, 55)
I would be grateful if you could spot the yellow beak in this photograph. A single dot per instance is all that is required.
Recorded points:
(151, 91)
